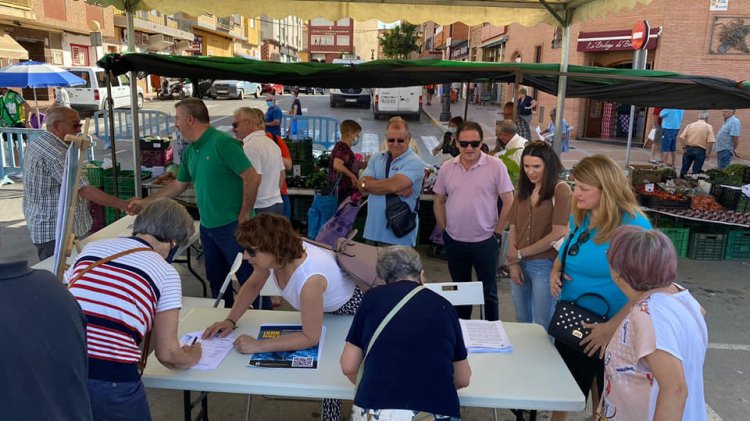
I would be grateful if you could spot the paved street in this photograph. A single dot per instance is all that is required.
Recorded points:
(723, 288)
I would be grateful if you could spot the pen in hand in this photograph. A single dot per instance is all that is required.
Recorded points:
(194, 340)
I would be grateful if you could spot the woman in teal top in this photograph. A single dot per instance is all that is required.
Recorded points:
(602, 201)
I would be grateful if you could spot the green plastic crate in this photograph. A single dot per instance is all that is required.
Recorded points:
(301, 168)
(125, 183)
(300, 150)
(680, 238)
(300, 206)
(738, 245)
(707, 246)
(96, 174)
(111, 215)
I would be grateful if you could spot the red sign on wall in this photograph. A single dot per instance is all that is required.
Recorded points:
(638, 38)
(613, 40)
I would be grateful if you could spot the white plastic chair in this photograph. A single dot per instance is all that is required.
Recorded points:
(460, 293)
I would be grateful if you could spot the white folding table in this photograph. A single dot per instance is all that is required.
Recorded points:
(532, 377)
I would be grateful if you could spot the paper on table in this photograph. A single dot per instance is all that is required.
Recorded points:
(485, 336)
(214, 349)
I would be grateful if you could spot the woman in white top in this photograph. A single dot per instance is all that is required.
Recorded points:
(653, 366)
(309, 278)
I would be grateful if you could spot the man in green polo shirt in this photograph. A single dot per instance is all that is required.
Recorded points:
(225, 187)
(14, 109)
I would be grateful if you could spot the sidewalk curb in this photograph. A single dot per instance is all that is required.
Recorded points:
(435, 122)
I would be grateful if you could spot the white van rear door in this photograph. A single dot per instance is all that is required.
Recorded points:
(83, 94)
(121, 92)
(388, 99)
(408, 101)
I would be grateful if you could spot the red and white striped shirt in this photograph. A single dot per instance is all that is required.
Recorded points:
(121, 297)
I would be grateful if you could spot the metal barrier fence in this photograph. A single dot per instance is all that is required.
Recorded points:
(323, 130)
(13, 150)
(150, 123)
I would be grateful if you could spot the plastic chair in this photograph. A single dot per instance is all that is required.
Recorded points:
(460, 293)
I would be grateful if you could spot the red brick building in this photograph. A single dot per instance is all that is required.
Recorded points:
(328, 40)
(686, 37)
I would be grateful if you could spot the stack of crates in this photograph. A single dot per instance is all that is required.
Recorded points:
(95, 173)
(154, 151)
(125, 190)
(302, 157)
(680, 238)
(705, 246)
(738, 245)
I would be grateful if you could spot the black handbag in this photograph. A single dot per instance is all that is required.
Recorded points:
(398, 214)
(565, 324)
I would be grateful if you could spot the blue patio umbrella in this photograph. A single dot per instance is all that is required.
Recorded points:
(33, 74)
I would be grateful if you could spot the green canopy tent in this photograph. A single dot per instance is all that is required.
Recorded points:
(643, 88)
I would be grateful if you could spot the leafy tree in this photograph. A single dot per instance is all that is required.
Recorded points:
(400, 41)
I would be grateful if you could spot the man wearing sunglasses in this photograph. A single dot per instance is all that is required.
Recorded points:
(397, 171)
(466, 208)
(43, 175)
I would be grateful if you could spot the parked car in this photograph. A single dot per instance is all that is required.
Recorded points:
(406, 101)
(272, 88)
(307, 90)
(238, 89)
(355, 96)
(92, 97)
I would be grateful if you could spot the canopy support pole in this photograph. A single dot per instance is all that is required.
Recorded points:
(563, 21)
(134, 109)
(562, 84)
(639, 63)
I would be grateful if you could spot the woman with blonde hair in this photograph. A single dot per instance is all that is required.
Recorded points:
(602, 201)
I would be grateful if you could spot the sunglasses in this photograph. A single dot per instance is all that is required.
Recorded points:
(251, 251)
(394, 140)
(474, 143)
(575, 248)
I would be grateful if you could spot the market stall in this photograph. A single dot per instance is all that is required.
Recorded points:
(707, 216)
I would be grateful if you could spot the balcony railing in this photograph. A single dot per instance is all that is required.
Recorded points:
(22, 4)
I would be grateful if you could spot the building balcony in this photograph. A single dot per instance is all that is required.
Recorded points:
(19, 4)
(149, 27)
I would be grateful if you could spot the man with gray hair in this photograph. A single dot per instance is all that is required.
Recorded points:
(696, 139)
(418, 360)
(508, 137)
(727, 139)
(43, 176)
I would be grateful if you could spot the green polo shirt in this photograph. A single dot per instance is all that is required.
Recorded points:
(213, 164)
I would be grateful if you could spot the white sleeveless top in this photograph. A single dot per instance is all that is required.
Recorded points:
(319, 262)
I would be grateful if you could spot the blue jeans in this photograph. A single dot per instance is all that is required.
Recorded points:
(287, 206)
(694, 156)
(118, 401)
(483, 258)
(219, 249)
(669, 140)
(723, 159)
(532, 300)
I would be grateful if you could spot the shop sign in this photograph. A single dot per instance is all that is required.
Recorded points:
(613, 40)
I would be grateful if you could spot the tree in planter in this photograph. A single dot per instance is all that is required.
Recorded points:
(400, 41)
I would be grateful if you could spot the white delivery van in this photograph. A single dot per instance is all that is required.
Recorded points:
(92, 97)
(403, 102)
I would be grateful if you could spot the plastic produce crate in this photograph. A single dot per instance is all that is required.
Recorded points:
(680, 238)
(300, 206)
(155, 158)
(727, 196)
(95, 173)
(738, 245)
(125, 183)
(301, 168)
(154, 144)
(300, 150)
(656, 203)
(641, 174)
(707, 246)
(111, 215)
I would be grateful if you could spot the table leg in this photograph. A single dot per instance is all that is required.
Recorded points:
(188, 405)
(200, 278)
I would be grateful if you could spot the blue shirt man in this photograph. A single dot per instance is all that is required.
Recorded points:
(404, 180)
(273, 116)
(727, 139)
(671, 120)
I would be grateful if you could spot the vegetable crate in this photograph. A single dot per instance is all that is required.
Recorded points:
(738, 245)
(300, 206)
(680, 237)
(153, 158)
(706, 246)
(642, 174)
(125, 183)
(300, 150)
(727, 196)
(95, 173)
(655, 202)
(111, 215)
(154, 144)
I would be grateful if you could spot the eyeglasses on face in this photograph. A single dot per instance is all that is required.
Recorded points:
(465, 143)
(575, 248)
(394, 140)
(236, 124)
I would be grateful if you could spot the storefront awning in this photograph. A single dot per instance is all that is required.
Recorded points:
(9, 48)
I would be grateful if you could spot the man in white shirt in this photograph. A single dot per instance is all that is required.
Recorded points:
(265, 158)
(507, 135)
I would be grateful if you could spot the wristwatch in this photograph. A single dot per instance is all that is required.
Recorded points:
(362, 186)
(519, 255)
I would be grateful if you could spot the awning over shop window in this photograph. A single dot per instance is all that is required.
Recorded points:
(613, 40)
(9, 48)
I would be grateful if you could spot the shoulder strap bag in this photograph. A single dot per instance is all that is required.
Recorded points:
(147, 338)
(398, 214)
(380, 328)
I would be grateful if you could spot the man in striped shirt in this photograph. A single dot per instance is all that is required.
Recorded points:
(43, 176)
(125, 299)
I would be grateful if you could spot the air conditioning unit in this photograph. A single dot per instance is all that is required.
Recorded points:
(182, 46)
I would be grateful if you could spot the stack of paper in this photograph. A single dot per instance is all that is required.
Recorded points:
(214, 349)
(485, 336)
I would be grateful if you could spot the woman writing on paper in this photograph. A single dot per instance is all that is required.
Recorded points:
(602, 201)
(309, 279)
(538, 218)
(127, 289)
(663, 337)
(419, 359)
